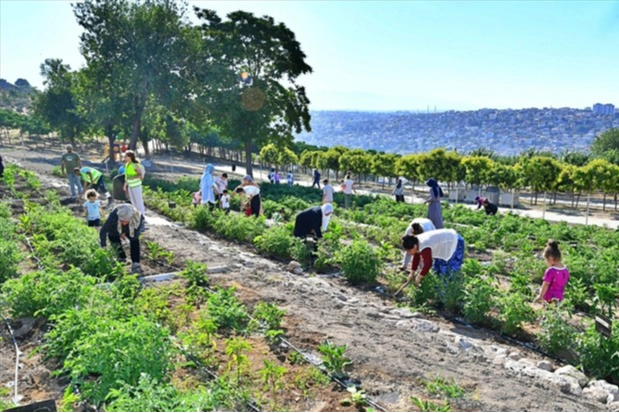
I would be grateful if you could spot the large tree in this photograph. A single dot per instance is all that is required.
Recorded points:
(140, 47)
(257, 100)
(606, 141)
(58, 104)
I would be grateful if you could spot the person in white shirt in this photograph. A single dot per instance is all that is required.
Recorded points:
(416, 227)
(222, 184)
(348, 187)
(250, 189)
(224, 201)
(327, 192)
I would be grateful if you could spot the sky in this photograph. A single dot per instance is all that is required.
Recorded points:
(395, 55)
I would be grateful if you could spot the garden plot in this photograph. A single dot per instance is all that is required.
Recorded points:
(371, 337)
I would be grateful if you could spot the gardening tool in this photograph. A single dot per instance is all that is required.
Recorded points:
(402, 287)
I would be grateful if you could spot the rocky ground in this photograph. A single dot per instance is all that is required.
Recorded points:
(392, 349)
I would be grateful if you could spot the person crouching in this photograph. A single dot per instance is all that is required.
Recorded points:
(313, 221)
(124, 222)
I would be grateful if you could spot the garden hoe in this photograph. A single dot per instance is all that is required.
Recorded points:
(401, 288)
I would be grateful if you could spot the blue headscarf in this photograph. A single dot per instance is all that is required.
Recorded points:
(436, 189)
(206, 184)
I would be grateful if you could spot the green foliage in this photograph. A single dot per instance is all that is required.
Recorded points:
(514, 311)
(235, 349)
(226, 310)
(333, 358)
(115, 351)
(479, 299)
(360, 263)
(427, 406)
(268, 315)
(556, 333)
(272, 376)
(605, 142)
(150, 395)
(276, 242)
(443, 387)
(599, 357)
(196, 275)
(10, 255)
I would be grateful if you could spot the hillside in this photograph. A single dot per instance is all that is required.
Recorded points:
(504, 131)
(16, 96)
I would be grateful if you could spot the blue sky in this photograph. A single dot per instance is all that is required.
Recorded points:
(396, 55)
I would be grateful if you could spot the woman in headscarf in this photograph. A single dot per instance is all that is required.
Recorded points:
(399, 191)
(252, 191)
(435, 212)
(442, 250)
(416, 227)
(208, 186)
(124, 222)
(313, 221)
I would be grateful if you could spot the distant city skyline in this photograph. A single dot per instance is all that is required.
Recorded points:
(394, 56)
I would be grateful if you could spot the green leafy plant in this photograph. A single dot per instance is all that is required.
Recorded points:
(427, 406)
(556, 333)
(268, 316)
(235, 349)
(514, 311)
(333, 358)
(272, 376)
(358, 398)
(360, 263)
(479, 297)
(196, 275)
(444, 387)
(276, 241)
(227, 311)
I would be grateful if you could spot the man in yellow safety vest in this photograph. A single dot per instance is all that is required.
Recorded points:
(93, 179)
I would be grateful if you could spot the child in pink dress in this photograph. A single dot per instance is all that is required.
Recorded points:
(555, 277)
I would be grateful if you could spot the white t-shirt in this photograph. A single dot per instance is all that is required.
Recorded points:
(225, 201)
(327, 190)
(221, 185)
(348, 186)
(251, 190)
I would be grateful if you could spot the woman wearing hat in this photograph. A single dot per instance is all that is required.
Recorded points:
(125, 222)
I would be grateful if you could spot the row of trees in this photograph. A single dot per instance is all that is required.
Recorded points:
(540, 172)
(152, 74)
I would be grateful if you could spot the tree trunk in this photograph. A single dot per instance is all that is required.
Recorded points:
(138, 107)
(615, 202)
(249, 170)
(110, 141)
(604, 204)
(578, 199)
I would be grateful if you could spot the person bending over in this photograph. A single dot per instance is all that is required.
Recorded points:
(313, 221)
(124, 223)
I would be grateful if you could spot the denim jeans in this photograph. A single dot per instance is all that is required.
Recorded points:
(73, 181)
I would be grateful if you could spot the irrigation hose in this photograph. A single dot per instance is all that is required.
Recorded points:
(8, 326)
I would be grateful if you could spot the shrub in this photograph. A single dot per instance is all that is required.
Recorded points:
(556, 333)
(226, 310)
(360, 263)
(479, 297)
(599, 357)
(514, 311)
(275, 241)
(116, 352)
(237, 226)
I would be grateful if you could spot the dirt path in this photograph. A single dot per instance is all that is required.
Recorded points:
(391, 350)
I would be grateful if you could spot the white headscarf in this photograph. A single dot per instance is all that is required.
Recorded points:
(326, 209)
(127, 212)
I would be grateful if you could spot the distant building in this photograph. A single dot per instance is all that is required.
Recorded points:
(600, 109)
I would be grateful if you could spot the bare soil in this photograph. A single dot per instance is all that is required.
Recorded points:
(388, 357)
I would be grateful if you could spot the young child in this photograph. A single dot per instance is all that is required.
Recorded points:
(93, 208)
(555, 277)
(196, 198)
(224, 201)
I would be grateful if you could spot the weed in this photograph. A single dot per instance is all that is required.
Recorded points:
(296, 358)
(427, 406)
(442, 386)
(360, 263)
(197, 279)
(358, 398)
(227, 311)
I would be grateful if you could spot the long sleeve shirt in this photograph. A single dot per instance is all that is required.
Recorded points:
(307, 221)
(425, 257)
